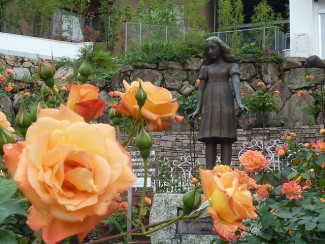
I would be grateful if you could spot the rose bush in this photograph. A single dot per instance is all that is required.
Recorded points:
(158, 107)
(83, 99)
(229, 198)
(70, 171)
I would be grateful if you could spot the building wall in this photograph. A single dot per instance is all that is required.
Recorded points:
(305, 28)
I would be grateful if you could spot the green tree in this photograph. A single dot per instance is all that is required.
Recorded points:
(264, 13)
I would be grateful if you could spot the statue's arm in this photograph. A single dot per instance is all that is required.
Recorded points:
(201, 90)
(236, 85)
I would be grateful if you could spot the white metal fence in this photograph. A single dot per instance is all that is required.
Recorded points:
(266, 37)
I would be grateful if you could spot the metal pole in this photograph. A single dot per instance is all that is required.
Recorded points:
(140, 38)
(263, 45)
(129, 212)
(184, 32)
(126, 39)
(214, 16)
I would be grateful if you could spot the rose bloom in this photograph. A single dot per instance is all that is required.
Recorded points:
(230, 201)
(254, 161)
(9, 72)
(309, 77)
(281, 153)
(198, 81)
(2, 78)
(70, 171)
(260, 84)
(193, 181)
(264, 191)
(292, 134)
(277, 93)
(320, 145)
(288, 138)
(147, 201)
(302, 93)
(123, 206)
(292, 190)
(322, 131)
(5, 123)
(83, 99)
(159, 105)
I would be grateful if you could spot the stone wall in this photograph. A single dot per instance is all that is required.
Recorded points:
(288, 77)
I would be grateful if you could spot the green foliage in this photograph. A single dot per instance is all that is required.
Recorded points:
(193, 14)
(230, 13)
(63, 62)
(111, 15)
(158, 51)
(317, 105)
(156, 12)
(249, 48)
(261, 101)
(263, 13)
(187, 105)
(13, 213)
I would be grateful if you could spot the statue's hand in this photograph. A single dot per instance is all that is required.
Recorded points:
(192, 115)
(243, 108)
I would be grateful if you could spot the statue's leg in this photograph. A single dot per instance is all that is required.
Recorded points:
(210, 154)
(226, 152)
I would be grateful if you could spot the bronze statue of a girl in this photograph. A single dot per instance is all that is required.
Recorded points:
(216, 101)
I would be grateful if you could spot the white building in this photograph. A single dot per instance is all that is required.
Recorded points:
(307, 28)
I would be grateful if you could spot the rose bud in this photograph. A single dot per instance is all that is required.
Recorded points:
(46, 72)
(40, 104)
(191, 200)
(144, 142)
(6, 136)
(141, 95)
(84, 72)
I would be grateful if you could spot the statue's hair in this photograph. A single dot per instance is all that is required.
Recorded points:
(225, 51)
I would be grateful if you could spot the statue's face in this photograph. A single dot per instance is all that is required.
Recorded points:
(213, 49)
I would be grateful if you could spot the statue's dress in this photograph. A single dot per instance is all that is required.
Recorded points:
(218, 120)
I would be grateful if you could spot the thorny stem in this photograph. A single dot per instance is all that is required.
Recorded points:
(56, 94)
(128, 140)
(144, 191)
(132, 232)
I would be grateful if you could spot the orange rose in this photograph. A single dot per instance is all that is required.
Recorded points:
(193, 181)
(9, 72)
(322, 131)
(254, 161)
(230, 201)
(320, 145)
(260, 84)
(292, 190)
(83, 99)
(302, 93)
(147, 201)
(70, 171)
(123, 206)
(159, 105)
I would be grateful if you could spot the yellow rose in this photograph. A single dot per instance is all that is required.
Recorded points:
(230, 201)
(70, 171)
(5, 123)
(159, 105)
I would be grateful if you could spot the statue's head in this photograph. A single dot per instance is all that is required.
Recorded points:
(215, 47)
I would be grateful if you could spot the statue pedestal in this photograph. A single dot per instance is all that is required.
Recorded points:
(167, 206)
